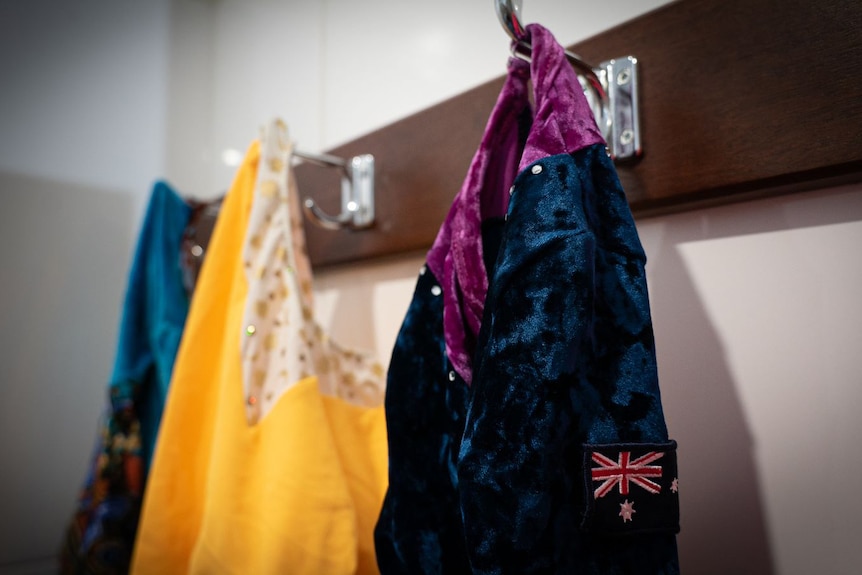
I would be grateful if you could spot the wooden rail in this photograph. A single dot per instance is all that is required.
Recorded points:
(739, 99)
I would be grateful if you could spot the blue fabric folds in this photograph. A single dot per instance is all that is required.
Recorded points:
(419, 531)
(551, 455)
(565, 357)
(154, 315)
(496, 478)
(101, 534)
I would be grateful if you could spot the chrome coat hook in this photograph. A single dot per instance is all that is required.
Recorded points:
(508, 13)
(357, 192)
(611, 87)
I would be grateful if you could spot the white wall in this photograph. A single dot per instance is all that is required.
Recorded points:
(754, 304)
(756, 315)
(83, 102)
(84, 90)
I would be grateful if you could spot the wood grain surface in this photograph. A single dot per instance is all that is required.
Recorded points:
(739, 99)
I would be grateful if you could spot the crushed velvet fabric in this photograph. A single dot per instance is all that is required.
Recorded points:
(565, 357)
(563, 121)
(456, 257)
(419, 529)
(514, 136)
(523, 351)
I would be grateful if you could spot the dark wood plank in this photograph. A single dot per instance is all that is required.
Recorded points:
(740, 98)
(420, 163)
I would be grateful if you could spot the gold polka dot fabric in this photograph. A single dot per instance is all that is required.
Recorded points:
(281, 342)
(272, 454)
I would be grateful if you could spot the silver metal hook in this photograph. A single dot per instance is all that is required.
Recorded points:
(507, 12)
(611, 88)
(357, 192)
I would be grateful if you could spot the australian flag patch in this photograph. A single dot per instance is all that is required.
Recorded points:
(631, 488)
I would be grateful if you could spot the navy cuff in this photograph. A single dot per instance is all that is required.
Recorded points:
(630, 488)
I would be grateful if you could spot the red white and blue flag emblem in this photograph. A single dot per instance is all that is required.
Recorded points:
(626, 471)
(633, 487)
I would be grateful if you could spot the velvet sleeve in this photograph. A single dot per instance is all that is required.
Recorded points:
(565, 365)
(419, 530)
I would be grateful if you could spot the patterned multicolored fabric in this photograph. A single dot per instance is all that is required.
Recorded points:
(520, 472)
(100, 536)
(272, 452)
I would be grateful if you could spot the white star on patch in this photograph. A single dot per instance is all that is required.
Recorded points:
(674, 485)
(627, 510)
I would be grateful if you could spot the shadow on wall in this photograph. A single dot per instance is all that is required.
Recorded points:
(723, 518)
(724, 521)
(64, 254)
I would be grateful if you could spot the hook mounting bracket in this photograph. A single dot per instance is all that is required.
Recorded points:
(611, 88)
(357, 198)
(620, 116)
